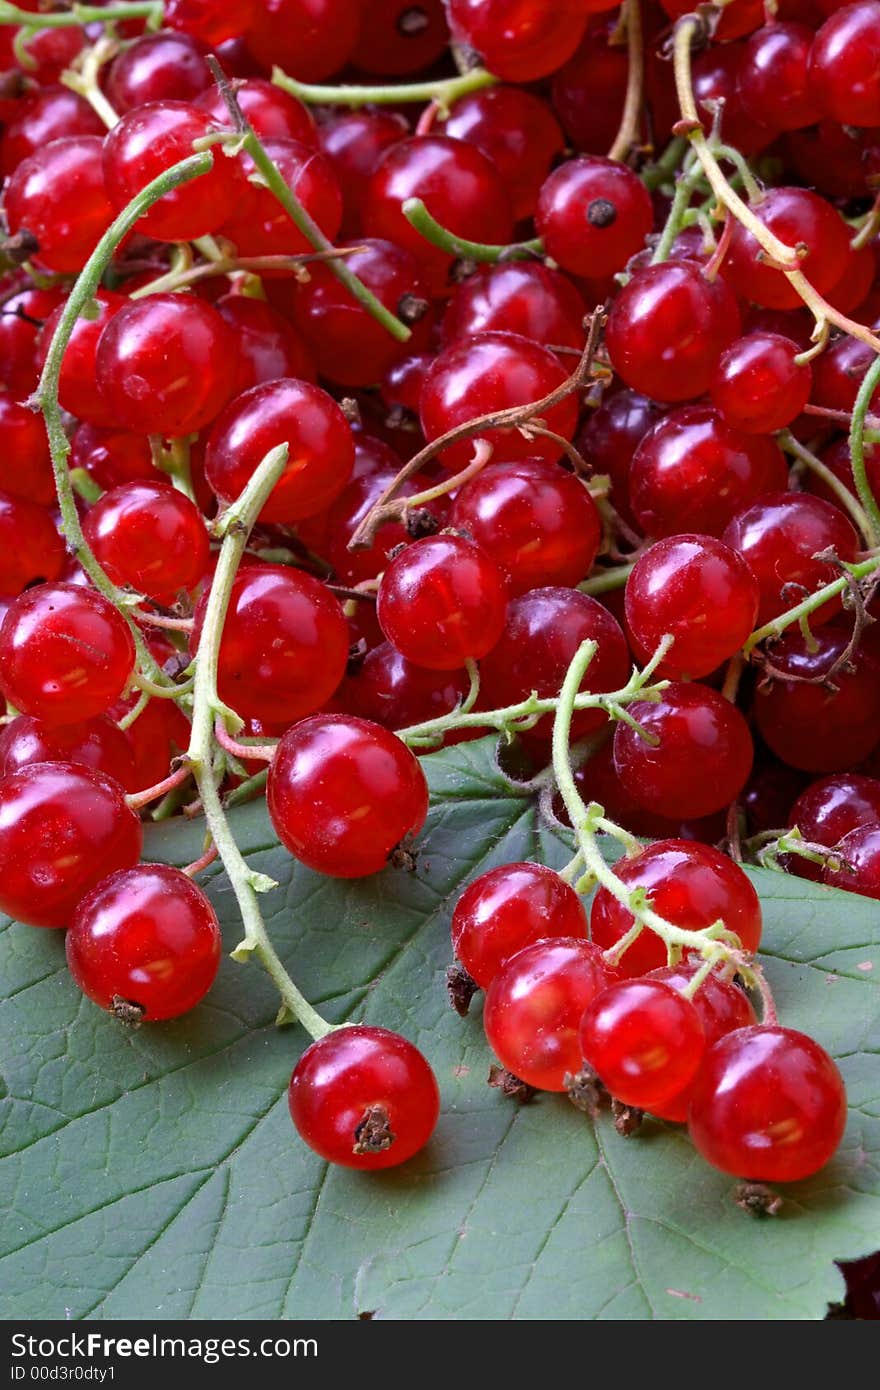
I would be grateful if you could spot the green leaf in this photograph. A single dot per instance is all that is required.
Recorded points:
(155, 1174)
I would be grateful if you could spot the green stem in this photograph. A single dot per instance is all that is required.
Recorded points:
(445, 92)
(777, 626)
(246, 140)
(857, 445)
(78, 15)
(691, 175)
(45, 397)
(605, 581)
(235, 526)
(793, 446)
(419, 217)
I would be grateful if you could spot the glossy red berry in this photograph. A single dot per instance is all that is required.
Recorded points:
(211, 21)
(845, 65)
(111, 456)
(65, 653)
(758, 386)
(399, 37)
(96, 743)
(353, 142)
(310, 39)
(702, 758)
(521, 297)
(20, 323)
(145, 941)
(149, 140)
(489, 372)
(63, 827)
(779, 537)
(534, 1006)
(507, 909)
(610, 437)
(700, 592)
(593, 215)
(798, 217)
(690, 885)
(643, 1039)
(364, 1097)
(589, 91)
(287, 411)
(149, 537)
(157, 67)
(442, 601)
(774, 86)
(544, 629)
(284, 646)
(268, 346)
(31, 550)
(58, 195)
(829, 809)
(769, 1104)
(396, 693)
(667, 329)
(259, 225)
(273, 113)
(539, 523)
(78, 390)
(693, 473)
(520, 40)
(859, 871)
(517, 131)
(165, 365)
(52, 113)
(459, 186)
(343, 793)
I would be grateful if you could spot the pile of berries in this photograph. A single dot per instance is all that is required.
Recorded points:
(553, 369)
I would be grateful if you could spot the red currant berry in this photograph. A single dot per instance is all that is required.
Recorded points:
(310, 39)
(97, 743)
(697, 590)
(62, 828)
(689, 884)
(343, 793)
(534, 1006)
(400, 37)
(157, 67)
(758, 386)
(524, 298)
(284, 646)
(769, 1104)
(41, 118)
(145, 943)
(211, 21)
(593, 215)
(65, 653)
(393, 692)
(353, 142)
(693, 473)
(517, 131)
(31, 550)
(268, 346)
(797, 217)
(520, 40)
(149, 140)
(259, 225)
(274, 114)
(507, 909)
(539, 523)
(149, 537)
(859, 869)
(845, 65)
(828, 810)
(667, 329)
(701, 759)
(364, 1097)
(112, 456)
(78, 390)
(290, 412)
(611, 436)
(643, 1039)
(58, 196)
(779, 536)
(544, 629)
(590, 89)
(442, 601)
(166, 365)
(489, 372)
(773, 83)
(20, 323)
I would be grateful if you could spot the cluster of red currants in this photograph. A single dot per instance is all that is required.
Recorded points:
(690, 479)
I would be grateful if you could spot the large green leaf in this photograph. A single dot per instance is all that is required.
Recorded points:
(156, 1173)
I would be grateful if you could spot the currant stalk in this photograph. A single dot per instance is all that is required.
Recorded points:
(857, 447)
(444, 92)
(77, 15)
(235, 526)
(418, 216)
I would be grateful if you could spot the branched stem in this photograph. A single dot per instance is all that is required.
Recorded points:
(235, 526)
(777, 626)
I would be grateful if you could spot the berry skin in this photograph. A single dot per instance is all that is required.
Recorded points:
(442, 601)
(690, 885)
(534, 1006)
(31, 550)
(268, 346)
(78, 390)
(520, 40)
(211, 21)
(845, 65)
(59, 196)
(399, 37)
(796, 216)
(393, 692)
(96, 743)
(259, 225)
(524, 298)
(157, 67)
(489, 372)
(147, 938)
(353, 142)
(593, 215)
(779, 537)
(667, 329)
(149, 537)
(698, 590)
(65, 653)
(544, 629)
(343, 793)
(769, 1104)
(693, 473)
(861, 872)
(774, 86)
(758, 387)
(20, 327)
(112, 456)
(459, 186)
(284, 645)
(278, 412)
(644, 1041)
(364, 1097)
(274, 114)
(826, 811)
(702, 759)
(310, 39)
(517, 131)
(539, 523)
(166, 365)
(507, 909)
(62, 829)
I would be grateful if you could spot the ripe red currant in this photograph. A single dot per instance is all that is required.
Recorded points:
(507, 909)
